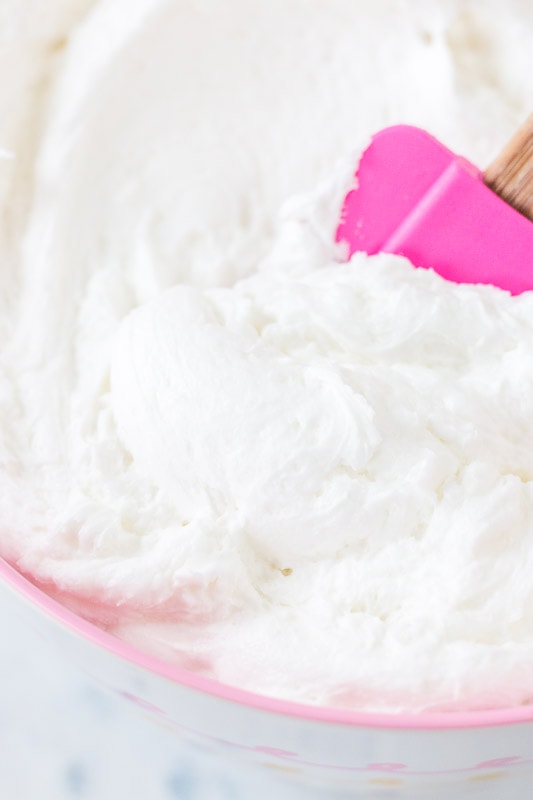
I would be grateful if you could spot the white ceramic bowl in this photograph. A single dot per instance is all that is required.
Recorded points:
(448, 756)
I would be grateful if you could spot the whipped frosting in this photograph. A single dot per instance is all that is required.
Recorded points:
(309, 478)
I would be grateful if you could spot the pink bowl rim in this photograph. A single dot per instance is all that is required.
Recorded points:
(320, 714)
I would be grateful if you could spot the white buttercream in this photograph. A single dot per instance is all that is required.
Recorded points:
(308, 478)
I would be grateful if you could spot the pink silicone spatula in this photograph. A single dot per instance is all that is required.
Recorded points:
(416, 198)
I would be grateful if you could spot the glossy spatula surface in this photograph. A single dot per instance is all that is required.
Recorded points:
(416, 198)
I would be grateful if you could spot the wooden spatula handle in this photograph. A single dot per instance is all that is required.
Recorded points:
(511, 174)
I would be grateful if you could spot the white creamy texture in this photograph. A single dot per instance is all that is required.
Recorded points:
(307, 478)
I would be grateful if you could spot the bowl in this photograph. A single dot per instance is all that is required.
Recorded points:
(452, 755)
